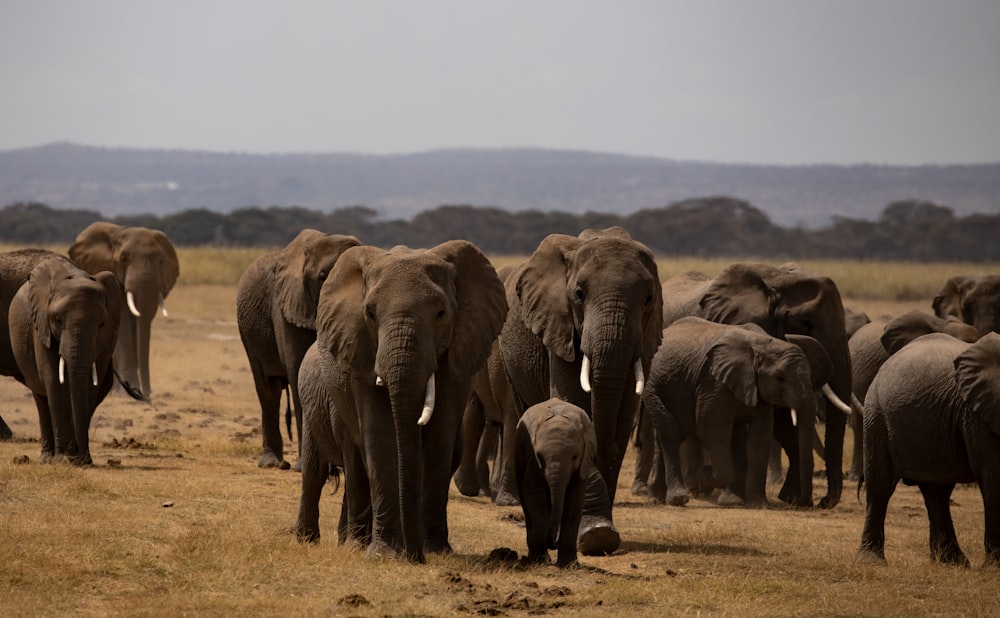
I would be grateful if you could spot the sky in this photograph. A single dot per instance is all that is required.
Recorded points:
(790, 82)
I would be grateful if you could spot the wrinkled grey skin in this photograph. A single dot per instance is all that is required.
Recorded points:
(276, 302)
(15, 266)
(595, 296)
(872, 345)
(62, 312)
(783, 300)
(932, 418)
(145, 264)
(717, 384)
(388, 321)
(974, 299)
(555, 450)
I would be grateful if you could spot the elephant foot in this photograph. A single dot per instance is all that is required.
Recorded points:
(505, 498)
(46, 457)
(852, 475)
(306, 534)
(728, 498)
(5, 431)
(269, 460)
(640, 488)
(869, 556)
(437, 546)
(677, 498)
(597, 537)
(950, 554)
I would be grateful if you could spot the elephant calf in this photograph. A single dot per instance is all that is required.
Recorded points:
(555, 451)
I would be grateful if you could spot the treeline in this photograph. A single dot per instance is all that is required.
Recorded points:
(705, 227)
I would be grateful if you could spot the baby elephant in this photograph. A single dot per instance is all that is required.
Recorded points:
(555, 449)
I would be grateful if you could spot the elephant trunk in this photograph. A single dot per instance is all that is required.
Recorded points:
(805, 415)
(144, 290)
(557, 479)
(836, 421)
(79, 373)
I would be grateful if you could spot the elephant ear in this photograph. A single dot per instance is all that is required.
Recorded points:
(170, 269)
(739, 295)
(977, 372)
(40, 286)
(652, 327)
(94, 250)
(481, 306)
(731, 362)
(293, 297)
(589, 446)
(340, 320)
(903, 329)
(820, 365)
(948, 300)
(540, 286)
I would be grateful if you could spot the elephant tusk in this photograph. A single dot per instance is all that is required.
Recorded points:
(857, 405)
(131, 303)
(425, 414)
(163, 307)
(795, 418)
(640, 378)
(378, 380)
(62, 369)
(836, 401)
(93, 373)
(585, 374)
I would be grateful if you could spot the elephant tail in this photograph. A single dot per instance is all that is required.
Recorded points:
(288, 412)
(334, 474)
(861, 482)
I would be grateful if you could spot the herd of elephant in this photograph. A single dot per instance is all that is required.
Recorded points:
(409, 368)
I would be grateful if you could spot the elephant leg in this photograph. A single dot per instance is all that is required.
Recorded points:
(506, 489)
(787, 437)
(269, 394)
(667, 446)
(47, 436)
(443, 438)
(126, 363)
(296, 403)
(598, 535)
(488, 450)
(355, 526)
(473, 428)
(644, 454)
(857, 455)
(658, 482)
(991, 502)
(5, 432)
(569, 527)
(760, 434)
(315, 471)
(880, 480)
(534, 492)
(775, 472)
(719, 449)
(943, 541)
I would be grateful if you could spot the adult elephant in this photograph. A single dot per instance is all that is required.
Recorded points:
(783, 300)
(872, 345)
(399, 336)
(585, 320)
(716, 384)
(276, 302)
(63, 328)
(147, 268)
(974, 299)
(932, 418)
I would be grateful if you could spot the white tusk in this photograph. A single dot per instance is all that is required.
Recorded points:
(93, 373)
(836, 401)
(585, 374)
(62, 369)
(378, 380)
(131, 303)
(640, 378)
(795, 418)
(425, 414)
(163, 307)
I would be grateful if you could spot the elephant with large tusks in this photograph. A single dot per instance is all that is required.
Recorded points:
(585, 320)
(276, 301)
(932, 418)
(146, 265)
(399, 336)
(63, 327)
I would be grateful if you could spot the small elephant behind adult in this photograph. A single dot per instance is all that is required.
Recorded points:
(555, 449)
(63, 328)
(932, 418)
(146, 265)
(276, 301)
(973, 299)
(872, 345)
(717, 384)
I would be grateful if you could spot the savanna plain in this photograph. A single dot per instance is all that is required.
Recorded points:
(175, 518)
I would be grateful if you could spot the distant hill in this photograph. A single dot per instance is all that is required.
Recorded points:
(117, 181)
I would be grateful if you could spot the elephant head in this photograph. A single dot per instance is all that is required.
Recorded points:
(977, 371)
(974, 299)
(74, 320)
(146, 265)
(301, 268)
(757, 367)
(792, 300)
(407, 330)
(905, 328)
(595, 302)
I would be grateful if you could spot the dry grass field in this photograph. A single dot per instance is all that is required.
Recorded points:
(175, 518)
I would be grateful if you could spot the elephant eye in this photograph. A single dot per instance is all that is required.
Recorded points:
(440, 314)
(370, 314)
(322, 275)
(649, 299)
(580, 295)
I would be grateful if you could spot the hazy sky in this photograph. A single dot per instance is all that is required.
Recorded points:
(796, 81)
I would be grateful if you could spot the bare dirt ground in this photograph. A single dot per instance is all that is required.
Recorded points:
(175, 518)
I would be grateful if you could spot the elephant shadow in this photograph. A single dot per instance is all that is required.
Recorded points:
(712, 549)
